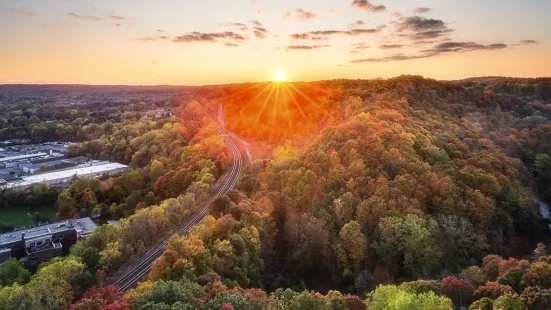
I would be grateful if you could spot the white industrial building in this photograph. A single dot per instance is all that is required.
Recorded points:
(63, 177)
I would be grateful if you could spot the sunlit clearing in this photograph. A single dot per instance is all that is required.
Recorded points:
(280, 76)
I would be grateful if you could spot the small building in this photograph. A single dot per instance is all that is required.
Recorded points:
(11, 161)
(35, 165)
(159, 113)
(36, 245)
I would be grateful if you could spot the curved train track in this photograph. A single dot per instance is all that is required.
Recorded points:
(132, 276)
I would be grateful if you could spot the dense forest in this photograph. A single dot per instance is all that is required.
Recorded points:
(405, 193)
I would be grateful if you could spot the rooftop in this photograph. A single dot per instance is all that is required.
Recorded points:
(46, 163)
(84, 226)
(64, 174)
(71, 172)
(19, 157)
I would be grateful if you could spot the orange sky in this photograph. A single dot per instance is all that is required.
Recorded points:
(171, 42)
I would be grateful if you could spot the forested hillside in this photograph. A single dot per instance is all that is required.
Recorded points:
(408, 192)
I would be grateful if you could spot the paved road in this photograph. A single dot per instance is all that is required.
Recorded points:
(130, 277)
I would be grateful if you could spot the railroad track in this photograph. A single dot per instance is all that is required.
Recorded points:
(130, 278)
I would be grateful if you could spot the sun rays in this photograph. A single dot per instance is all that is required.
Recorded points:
(276, 111)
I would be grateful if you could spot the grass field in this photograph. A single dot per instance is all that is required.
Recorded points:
(16, 216)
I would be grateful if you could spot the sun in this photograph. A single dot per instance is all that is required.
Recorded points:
(280, 76)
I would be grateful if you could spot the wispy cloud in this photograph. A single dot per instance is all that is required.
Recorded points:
(260, 32)
(153, 38)
(300, 14)
(390, 46)
(463, 46)
(525, 42)
(398, 57)
(439, 49)
(421, 10)
(121, 18)
(305, 47)
(241, 26)
(22, 12)
(368, 6)
(207, 37)
(256, 23)
(85, 16)
(358, 47)
(324, 33)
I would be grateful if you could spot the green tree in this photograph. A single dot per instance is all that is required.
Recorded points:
(13, 271)
(484, 303)
(169, 293)
(509, 302)
(354, 243)
(237, 302)
(407, 241)
(392, 297)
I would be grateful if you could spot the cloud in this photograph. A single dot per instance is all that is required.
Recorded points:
(366, 5)
(356, 24)
(119, 17)
(399, 57)
(300, 36)
(418, 28)
(155, 63)
(431, 34)
(441, 48)
(421, 10)
(228, 44)
(22, 12)
(390, 46)
(423, 42)
(418, 23)
(300, 14)
(305, 47)
(241, 26)
(322, 34)
(260, 32)
(85, 16)
(256, 23)
(358, 47)
(207, 37)
(152, 38)
(351, 32)
(525, 42)
(447, 47)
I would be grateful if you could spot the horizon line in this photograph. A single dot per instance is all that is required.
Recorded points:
(261, 82)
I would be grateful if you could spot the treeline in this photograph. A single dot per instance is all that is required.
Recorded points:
(47, 120)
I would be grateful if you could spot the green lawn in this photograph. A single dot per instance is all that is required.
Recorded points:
(16, 216)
